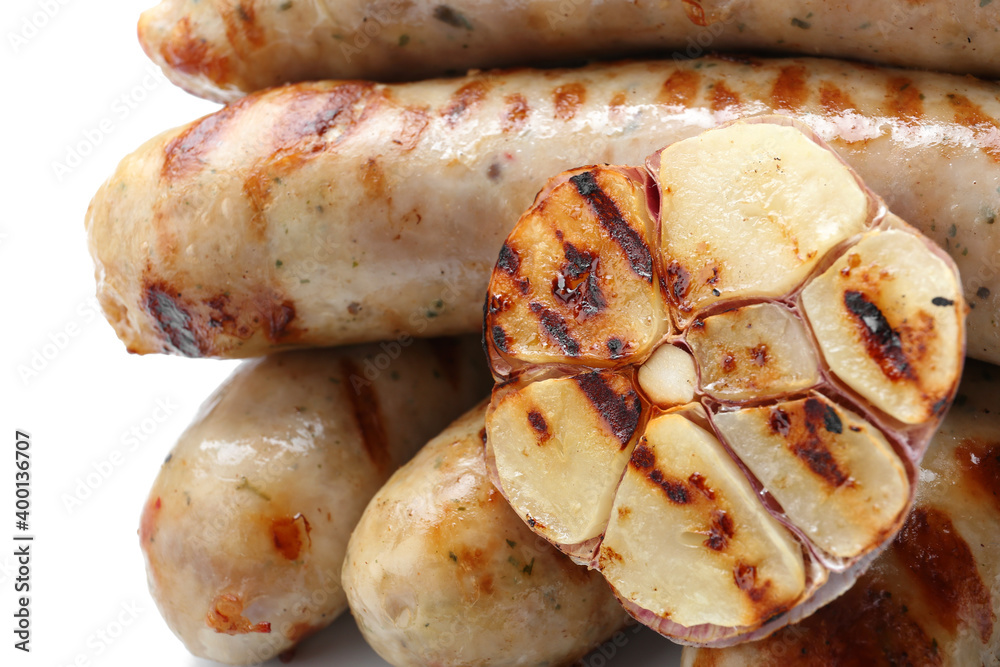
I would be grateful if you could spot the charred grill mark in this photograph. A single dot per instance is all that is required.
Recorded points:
(675, 490)
(576, 283)
(173, 319)
(193, 326)
(882, 343)
(555, 327)
(985, 128)
(790, 91)
(191, 54)
(831, 420)
(310, 115)
(680, 88)
(903, 98)
(745, 577)
(541, 427)
(367, 415)
(515, 113)
(979, 461)
(619, 411)
(413, 122)
(698, 481)
(226, 617)
(834, 100)
(720, 531)
(290, 534)
(464, 100)
(872, 623)
(722, 97)
(241, 26)
(609, 555)
(451, 16)
(945, 570)
(678, 283)
(780, 422)
(811, 447)
(186, 153)
(639, 256)
(642, 456)
(942, 301)
(509, 261)
(568, 99)
(615, 348)
(499, 338)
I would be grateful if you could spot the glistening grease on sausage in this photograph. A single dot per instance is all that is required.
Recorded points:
(247, 523)
(260, 224)
(219, 51)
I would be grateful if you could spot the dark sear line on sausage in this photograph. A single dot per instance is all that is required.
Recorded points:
(945, 570)
(367, 415)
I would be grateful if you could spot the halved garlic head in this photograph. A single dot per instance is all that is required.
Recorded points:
(734, 432)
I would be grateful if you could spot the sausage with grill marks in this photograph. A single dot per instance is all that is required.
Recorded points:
(222, 49)
(247, 523)
(331, 213)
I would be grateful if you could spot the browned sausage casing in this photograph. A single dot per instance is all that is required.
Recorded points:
(222, 49)
(933, 596)
(338, 212)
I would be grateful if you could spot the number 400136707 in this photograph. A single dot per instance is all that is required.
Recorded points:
(22, 480)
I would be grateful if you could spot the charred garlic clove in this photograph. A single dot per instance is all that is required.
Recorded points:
(834, 474)
(561, 446)
(887, 316)
(575, 282)
(737, 459)
(687, 539)
(752, 353)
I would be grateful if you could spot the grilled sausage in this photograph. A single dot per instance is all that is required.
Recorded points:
(338, 212)
(934, 596)
(247, 523)
(440, 571)
(222, 49)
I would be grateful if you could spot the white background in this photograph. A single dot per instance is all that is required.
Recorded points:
(78, 92)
